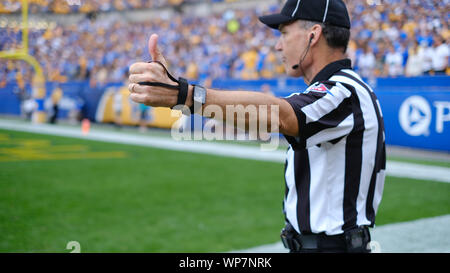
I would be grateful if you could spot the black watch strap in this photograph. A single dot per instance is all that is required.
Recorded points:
(182, 87)
(182, 91)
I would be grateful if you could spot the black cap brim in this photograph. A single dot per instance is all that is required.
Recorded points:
(275, 20)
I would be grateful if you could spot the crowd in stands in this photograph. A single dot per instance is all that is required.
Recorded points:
(399, 37)
(85, 6)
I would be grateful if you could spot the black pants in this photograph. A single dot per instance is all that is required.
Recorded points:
(54, 114)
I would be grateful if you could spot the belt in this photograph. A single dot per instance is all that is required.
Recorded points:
(354, 240)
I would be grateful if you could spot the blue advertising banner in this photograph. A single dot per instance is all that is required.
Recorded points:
(417, 117)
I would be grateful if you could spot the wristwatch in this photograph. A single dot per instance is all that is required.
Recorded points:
(198, 98)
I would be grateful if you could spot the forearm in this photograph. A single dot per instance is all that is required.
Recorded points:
(249, 110)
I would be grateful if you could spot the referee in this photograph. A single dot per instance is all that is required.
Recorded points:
(335, 164)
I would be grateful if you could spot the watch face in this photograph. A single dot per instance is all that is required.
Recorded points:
(200, 94)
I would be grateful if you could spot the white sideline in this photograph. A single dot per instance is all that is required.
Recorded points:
(430, 235)
(393, 168)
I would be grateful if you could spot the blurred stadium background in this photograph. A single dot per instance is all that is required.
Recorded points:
(118, 191)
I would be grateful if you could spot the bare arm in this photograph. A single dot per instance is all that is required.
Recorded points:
(244, 108)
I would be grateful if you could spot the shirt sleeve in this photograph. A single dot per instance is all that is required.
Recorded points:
(323, 116)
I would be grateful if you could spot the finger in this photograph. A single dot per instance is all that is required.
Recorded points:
(137, 78)
(130, 87)
(136, 88)
(139, 98)
(141, 89)
(153, 90)
(153, 69)
(152, 100)
(153, 73)
(156, 97)
(154, 51)
(140, 67)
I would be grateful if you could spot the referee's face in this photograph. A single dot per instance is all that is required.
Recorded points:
(292, 45)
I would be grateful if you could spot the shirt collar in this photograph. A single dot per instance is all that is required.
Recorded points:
(330, 69)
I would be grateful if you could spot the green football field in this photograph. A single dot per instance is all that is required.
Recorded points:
(125, 198)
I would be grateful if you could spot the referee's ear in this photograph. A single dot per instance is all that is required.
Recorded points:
(154, 51)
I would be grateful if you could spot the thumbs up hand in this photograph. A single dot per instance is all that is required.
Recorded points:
(152, 72)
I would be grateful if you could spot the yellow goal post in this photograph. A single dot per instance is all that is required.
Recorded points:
(38, 83)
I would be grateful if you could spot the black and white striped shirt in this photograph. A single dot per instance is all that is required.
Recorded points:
(335, 168)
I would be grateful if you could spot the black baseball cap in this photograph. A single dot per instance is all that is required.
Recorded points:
(332, 12)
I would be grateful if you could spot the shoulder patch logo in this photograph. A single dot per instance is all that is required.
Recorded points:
(319, 88)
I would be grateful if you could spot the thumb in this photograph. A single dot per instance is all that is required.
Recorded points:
(154, 51)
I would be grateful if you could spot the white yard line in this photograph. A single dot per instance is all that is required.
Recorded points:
(423, 235)
(418, 171)
(393, 168)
